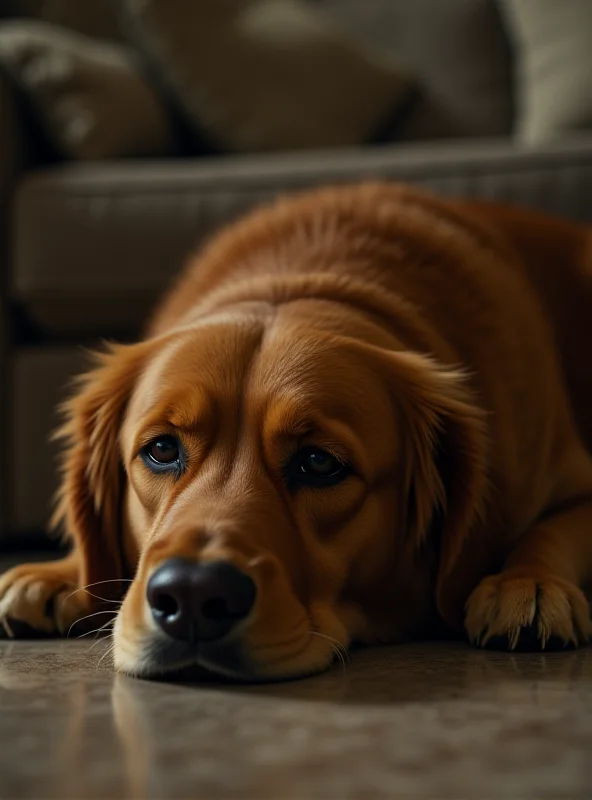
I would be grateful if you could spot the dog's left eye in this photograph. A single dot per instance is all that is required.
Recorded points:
(161, 453)
(317, 467)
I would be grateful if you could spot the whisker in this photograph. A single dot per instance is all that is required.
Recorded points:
(88, 616)
(104, 599)
(339, 649)
(338, 645)
(107, 652)
(99, 639)
(99, 583)
(97, 630)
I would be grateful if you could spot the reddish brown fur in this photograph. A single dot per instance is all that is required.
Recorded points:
(440, 346)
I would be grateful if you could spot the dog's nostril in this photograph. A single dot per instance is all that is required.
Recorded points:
(165, 604)
(215, 609)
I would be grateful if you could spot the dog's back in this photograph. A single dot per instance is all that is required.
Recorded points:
(557, 257)
(344, 232)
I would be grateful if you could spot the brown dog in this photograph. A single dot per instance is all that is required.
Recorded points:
(360, 412)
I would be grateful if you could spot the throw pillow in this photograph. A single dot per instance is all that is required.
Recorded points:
(89, 97)
(458, 51)
(266, 74)
(553, 41)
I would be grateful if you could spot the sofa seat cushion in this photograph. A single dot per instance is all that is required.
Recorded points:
(95, 246)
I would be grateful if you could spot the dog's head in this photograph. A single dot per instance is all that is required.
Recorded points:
(274, 486)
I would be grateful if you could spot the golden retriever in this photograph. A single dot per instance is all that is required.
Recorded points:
(362, 414)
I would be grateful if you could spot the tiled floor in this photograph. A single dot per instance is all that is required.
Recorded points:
(417, 721)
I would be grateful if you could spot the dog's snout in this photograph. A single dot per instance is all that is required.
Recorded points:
(191, 601)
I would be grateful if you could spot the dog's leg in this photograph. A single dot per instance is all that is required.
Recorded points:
(43, 598)
(537, 600)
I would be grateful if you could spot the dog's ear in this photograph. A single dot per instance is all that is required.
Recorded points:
(445, 451)
(444, 463)
(88, 502)
(446, 483)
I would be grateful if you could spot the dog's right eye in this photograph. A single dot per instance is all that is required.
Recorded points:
(162, 453)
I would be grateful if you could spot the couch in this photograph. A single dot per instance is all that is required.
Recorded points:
(86, 248)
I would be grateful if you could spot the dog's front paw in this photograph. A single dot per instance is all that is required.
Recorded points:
(527, 609)
(40, 599)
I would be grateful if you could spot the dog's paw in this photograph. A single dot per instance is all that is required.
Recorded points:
(522, 609)
(39, 599)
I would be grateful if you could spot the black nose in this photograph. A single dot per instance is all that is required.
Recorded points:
(193, 602)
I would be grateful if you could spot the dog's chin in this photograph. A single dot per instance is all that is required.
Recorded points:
(204, 662)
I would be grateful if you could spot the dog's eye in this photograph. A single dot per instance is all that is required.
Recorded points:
(319, 462)
(164, 451)
(317, 467)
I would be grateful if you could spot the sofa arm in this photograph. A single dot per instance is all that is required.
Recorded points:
(12, 161)
(12, 141)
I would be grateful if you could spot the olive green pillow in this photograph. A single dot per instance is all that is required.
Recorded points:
(89, 97)
(553, 52)
(266, 74)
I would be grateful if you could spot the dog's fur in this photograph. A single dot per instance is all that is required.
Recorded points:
(439, 347)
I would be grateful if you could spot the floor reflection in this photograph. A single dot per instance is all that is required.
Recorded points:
(406, 720)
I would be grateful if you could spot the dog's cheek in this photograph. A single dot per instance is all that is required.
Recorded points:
(277, 606)
(345, 622)
(136, 525)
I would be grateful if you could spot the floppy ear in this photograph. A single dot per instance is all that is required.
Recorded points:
(88, 502)
(445, 464)
(445, 442)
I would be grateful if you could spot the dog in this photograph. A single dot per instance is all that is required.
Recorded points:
(362, 415)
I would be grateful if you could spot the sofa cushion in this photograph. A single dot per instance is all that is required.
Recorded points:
(458, 52)
(257, 75)
(553, 42)
(95, 245)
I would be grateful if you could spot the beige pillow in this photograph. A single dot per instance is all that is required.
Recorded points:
(553, 41)
(266, 74)
(459, 53)
(89, 97)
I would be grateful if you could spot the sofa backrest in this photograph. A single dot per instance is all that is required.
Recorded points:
(459, 51)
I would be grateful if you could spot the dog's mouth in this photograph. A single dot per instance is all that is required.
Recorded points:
(210, 662)
(196, 661)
